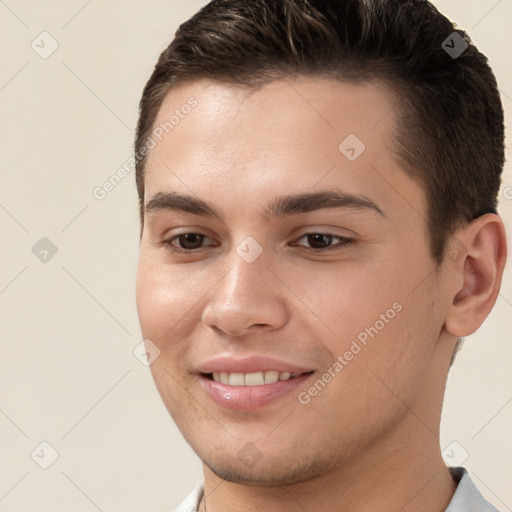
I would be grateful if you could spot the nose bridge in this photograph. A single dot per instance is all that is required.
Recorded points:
(247, 294)
(247, 277)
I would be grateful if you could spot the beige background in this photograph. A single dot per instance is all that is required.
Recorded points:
(68, 375)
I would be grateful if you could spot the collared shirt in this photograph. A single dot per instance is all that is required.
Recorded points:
(467, 497)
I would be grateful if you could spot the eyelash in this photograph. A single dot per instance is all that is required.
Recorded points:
(344, 241)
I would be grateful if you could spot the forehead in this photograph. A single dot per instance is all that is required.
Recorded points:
(320, 105)
(289, 135)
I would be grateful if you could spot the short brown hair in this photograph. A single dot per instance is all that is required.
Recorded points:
(449, 134)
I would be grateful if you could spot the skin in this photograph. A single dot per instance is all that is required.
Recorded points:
(370, 439)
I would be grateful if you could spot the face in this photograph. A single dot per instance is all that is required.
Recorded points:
(285, 276)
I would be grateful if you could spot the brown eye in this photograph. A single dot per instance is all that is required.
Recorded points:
(319, 240)
(188, 243)
(323, 242)
(190, 240)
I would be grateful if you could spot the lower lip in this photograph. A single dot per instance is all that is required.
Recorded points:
(250, 397)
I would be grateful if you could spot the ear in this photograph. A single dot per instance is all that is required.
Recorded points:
(476, 257)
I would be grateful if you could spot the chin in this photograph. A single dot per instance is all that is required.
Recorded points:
(270, 471)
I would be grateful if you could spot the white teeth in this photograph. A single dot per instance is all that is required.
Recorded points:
(252, 379)
(236, 379)
(271, 377)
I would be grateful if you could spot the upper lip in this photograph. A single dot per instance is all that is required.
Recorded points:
(249, 364)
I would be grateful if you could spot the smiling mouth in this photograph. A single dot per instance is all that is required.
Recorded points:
(252, 379)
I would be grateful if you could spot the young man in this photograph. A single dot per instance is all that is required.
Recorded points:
(318, 185)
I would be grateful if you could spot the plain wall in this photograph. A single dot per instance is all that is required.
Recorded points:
(68, 375)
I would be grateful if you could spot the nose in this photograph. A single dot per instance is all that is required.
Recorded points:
(248, 298)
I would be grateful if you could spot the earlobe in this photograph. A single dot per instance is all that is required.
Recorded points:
(480, 271)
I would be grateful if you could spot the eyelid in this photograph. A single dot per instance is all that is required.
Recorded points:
(174, 232)
(325, 229)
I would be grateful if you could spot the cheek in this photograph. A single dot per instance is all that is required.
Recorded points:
(398, 347)
(379, 314)
(166, 299)
(165, 305)
(348, 298)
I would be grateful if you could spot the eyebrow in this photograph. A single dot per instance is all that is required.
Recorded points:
(279, 207)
